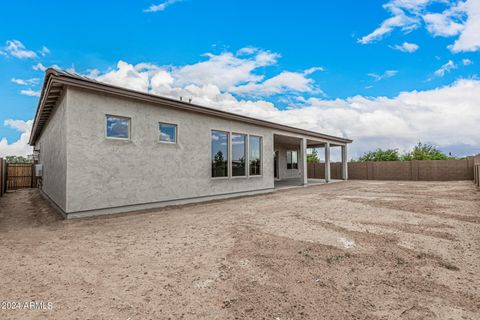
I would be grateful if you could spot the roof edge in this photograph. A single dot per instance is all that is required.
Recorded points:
(70, 79)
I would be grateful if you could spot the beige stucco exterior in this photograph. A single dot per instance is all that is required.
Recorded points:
(86, 173)
(53, 155)
(106, 173)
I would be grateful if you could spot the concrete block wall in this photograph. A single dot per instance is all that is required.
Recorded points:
(428, 170)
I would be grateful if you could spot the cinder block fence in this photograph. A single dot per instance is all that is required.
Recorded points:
(428, 170)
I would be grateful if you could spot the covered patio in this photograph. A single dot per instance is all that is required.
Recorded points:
(290, 160)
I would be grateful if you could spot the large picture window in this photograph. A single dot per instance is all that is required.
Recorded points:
(168, 132)
(219, 154)
(292, 159)
(238, 155)
(255, 155)
(117, 127)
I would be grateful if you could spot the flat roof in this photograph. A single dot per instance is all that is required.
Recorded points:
(56, 80)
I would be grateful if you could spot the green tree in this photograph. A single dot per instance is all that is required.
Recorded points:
(17, 159)
(313, 158)
(218, 159)
(219, 165)
(381, 155)
(426, 152)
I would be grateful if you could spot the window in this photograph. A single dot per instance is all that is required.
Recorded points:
(292, 159)
(219, 154)
(255, 155)
(238, 155)
(118, 127)
(168, 132)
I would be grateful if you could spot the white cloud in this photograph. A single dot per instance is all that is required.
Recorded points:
(25, 82)
(406, 47)
(399, 122)
(312, 70)
(44, 51)
(126, 75)
(19, 125)
(30, 92)
(447, 67)
(160, 7)
(285, 82)
(440, 25)
(401, 18)
(373, 122)
(39, 67)
(247, 51)
(17, 49)
(387, 74)
(447, 23)
(469, 39)
(467, 62)
(460, 18)
(19, 147)
(225, 70)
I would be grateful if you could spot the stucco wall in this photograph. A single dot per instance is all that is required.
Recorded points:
(104, 173)
(285, 173)
(53, 155)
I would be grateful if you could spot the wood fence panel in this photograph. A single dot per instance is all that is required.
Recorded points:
(19, 175)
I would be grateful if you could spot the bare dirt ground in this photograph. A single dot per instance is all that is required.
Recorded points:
(355, 250)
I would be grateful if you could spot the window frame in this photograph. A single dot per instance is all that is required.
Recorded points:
(261, 156)
(118, 138)
(291, 164)
(160, 132)
(229, 171)
(245, 152)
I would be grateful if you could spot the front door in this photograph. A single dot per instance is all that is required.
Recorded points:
(275, 165)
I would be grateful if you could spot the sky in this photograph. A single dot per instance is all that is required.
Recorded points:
(386, 74)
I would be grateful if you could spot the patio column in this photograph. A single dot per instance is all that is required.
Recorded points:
(327, 162)
(304, 162)
(344, 163)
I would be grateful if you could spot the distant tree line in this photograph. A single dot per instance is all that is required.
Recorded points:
(18, 159)
(419, 152)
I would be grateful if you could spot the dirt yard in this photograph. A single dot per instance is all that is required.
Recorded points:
(355, 250)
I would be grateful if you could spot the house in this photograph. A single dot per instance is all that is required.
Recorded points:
(106, 149)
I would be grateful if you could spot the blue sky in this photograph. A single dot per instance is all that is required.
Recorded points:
(359, 66)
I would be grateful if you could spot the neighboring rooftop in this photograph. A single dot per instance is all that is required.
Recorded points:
(56, 80)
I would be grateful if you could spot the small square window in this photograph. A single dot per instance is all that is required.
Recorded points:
(117, 127)
(168, 132)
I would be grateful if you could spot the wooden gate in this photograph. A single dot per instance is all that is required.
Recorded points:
(19, 175)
